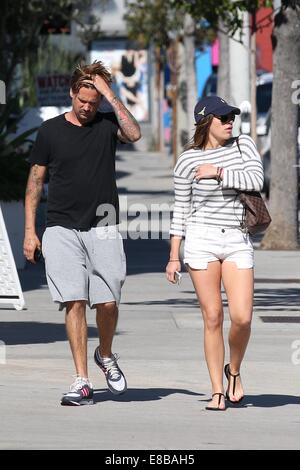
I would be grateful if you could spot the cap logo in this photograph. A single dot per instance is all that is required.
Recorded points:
(203, 111)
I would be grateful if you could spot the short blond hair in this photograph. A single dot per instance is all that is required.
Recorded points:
(87, 72)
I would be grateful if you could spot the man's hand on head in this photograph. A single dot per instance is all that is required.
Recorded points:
(103, 87)
(90, 83)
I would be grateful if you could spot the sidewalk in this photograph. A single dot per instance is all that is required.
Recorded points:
(160, 341)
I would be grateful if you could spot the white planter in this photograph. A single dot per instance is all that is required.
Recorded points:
(13, 215)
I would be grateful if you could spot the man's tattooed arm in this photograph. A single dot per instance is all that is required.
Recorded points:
(129, 128)
(33, 195)
(32, 198)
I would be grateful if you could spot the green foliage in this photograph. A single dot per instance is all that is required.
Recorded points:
(14, 152)
(215, 10)
(152, 21)
(157, 22)
(20, 25)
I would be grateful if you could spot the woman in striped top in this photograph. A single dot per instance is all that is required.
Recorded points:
(208, 214)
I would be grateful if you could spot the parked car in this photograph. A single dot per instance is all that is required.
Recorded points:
(264, 85)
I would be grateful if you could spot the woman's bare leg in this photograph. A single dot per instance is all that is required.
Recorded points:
(238, 284)
(207, 285)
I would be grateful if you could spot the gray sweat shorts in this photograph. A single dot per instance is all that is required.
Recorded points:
(84, 265)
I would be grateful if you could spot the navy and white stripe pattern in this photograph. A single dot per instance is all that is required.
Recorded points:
(208, 202)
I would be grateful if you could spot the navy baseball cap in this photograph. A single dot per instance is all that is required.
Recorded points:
(213, 105)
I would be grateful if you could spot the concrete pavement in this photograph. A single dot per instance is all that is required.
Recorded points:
(160, 341)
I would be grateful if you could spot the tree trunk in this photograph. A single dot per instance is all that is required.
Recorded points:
(173, 64)
(182, 117)
(223, 87)
(161, 101)
(239, 47)
(159, 142)
(191, 85)
(283, 232)
(253, 77)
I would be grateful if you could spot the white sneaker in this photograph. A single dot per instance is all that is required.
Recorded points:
(114, 376)
(81, 393)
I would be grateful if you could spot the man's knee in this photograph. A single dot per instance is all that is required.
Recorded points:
(76, 306)
(107, 307)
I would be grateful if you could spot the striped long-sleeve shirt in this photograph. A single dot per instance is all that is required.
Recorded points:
(207, 202)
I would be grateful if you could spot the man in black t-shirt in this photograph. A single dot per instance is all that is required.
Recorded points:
(83, 250)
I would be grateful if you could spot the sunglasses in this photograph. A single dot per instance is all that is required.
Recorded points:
(226, 118)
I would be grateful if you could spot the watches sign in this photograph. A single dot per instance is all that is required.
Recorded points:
(53, 90)
(2, 92)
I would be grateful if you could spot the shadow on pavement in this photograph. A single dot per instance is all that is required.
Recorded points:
(176, 302)
(29, 332)
(266, 401)
(121, 174)
(153, 192)
(146, 256)
(140, 394)
(285, 297)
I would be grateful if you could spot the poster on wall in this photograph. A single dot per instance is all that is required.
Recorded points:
(129, 68)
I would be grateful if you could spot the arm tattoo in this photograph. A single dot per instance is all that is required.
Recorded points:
(34, 187)
(128, 124)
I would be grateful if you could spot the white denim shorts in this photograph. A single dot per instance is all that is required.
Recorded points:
(204, 244)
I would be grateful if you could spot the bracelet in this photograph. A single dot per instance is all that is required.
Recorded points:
(219, 175)
(170, 260)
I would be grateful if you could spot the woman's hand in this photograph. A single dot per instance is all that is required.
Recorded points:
(171, 267)
(205, 171)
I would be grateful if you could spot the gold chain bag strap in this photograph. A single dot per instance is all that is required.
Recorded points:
(256, 217)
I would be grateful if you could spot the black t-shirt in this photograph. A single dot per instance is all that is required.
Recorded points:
(81, 164)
